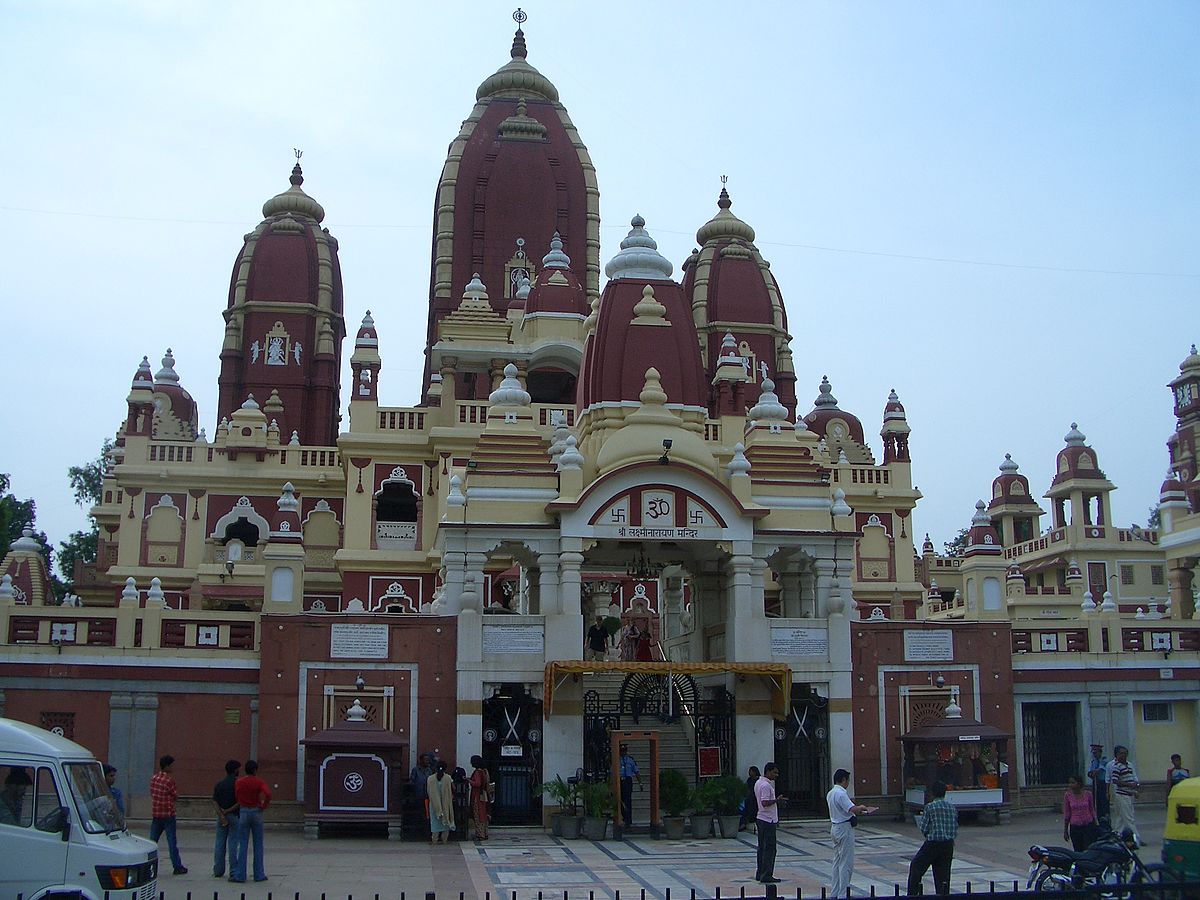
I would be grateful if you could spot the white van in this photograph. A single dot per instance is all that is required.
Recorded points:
(61, 834)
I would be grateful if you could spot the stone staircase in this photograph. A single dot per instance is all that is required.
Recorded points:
(676, 743)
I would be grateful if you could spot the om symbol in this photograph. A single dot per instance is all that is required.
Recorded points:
(656, 509)
(353, 782)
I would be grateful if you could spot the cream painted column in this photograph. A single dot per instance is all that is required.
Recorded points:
(570, 582)
(549, 601)
(837, 602)
(474, 565)
(789, 591)
(452, 586)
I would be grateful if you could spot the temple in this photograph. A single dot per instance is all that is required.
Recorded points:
(650, 447)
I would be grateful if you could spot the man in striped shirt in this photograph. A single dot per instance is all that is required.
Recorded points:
(1123, 787)
(939, 824)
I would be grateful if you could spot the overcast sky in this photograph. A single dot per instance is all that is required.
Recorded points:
(991, 207)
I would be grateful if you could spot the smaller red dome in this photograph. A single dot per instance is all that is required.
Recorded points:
(1077, 459)
(556, 289)
(175, 416)
(840, 430)
(1010, 487)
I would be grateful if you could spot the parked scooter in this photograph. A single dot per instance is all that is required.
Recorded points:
(1112, 860)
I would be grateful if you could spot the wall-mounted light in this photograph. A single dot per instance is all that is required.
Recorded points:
(937, 681)
(229, 564)
(664, 460)
(360, 683)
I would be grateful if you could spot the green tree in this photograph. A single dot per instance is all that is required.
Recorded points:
(1153, 520)
(87, 483)
(957, 544)
(17, 515)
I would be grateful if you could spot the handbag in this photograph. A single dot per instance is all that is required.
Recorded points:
(853, 821)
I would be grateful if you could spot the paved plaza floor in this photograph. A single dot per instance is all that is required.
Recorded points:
(523, 862)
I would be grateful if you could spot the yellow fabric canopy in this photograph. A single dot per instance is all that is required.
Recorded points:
(780, 675)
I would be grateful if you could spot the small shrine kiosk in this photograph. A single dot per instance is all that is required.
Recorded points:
(969, 757)
(353, 774)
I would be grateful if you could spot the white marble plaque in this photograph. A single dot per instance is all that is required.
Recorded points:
(928, 646)
(509, 638)
(788, 641)
(358, 642)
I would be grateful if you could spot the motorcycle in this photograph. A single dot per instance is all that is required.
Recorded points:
(1110, 861)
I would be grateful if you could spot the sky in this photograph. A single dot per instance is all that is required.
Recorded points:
(989, 206)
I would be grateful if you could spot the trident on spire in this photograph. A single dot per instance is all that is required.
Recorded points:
(724, 180)
(299, 153)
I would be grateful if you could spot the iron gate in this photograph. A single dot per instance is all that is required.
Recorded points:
(1050, 742)
(802, 752)
(512, 753)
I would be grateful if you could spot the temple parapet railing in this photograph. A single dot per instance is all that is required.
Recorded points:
(62, 630)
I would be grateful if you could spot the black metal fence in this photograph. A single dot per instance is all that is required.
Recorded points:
(987, 891)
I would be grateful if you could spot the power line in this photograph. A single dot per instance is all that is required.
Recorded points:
(950, 260)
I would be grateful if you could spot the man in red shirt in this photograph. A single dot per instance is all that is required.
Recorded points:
(163, 794)
(253, 796)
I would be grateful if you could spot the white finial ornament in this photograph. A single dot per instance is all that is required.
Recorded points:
(510, 392)
(455, 496)
(639, 256)
(167, 375)
(570, 458)
(739, 466)
(556, 258)
(768, 408)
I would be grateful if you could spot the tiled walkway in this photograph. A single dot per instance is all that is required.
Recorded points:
(529, 861)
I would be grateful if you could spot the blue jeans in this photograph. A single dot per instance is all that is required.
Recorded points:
(226, 841)
(158, 827)
(250, 822)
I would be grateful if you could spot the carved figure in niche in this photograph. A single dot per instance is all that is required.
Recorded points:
(255, 352)
(296, 350)
(762, 370)
(276, 352)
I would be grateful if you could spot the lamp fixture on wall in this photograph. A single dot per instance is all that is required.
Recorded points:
(664, 459)
(228, 569)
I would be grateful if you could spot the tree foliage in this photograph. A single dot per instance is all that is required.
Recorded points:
(1153, 520)
(15, 516)
(87, 483)
(957, 544)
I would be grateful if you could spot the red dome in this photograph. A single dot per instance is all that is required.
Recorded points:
(1009, 487)
(1077, 459)
(642, 324)
(556, 289)
(728, 279)
(827, 419)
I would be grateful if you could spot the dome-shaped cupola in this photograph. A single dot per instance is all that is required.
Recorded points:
(175, 416)
(517, 77)
(1077, 459)
(729, 285)
(283, 323)
(556, 289)
(639, 256)
(982, 539)
(842, 431)
(895, 430)
(294, 201)
(642, 322)
(1010, 487)
(517, 167)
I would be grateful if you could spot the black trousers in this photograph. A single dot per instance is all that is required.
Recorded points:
(766, 849)
(627, 801)
(939, 855)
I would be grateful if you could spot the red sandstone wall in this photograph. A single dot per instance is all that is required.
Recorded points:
(880, 645)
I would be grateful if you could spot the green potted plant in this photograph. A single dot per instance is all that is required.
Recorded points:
(566, 822)
(597, 799)
(727, 793)
(673, 795)
(701, 803)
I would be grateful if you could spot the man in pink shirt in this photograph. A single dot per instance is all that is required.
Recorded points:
(767, 821)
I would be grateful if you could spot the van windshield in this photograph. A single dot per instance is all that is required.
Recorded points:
(97, 808)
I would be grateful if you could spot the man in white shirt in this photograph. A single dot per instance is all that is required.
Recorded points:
(1123, 789)
(842, 809)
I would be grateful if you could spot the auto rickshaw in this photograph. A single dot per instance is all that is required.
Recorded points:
(1181, 836)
